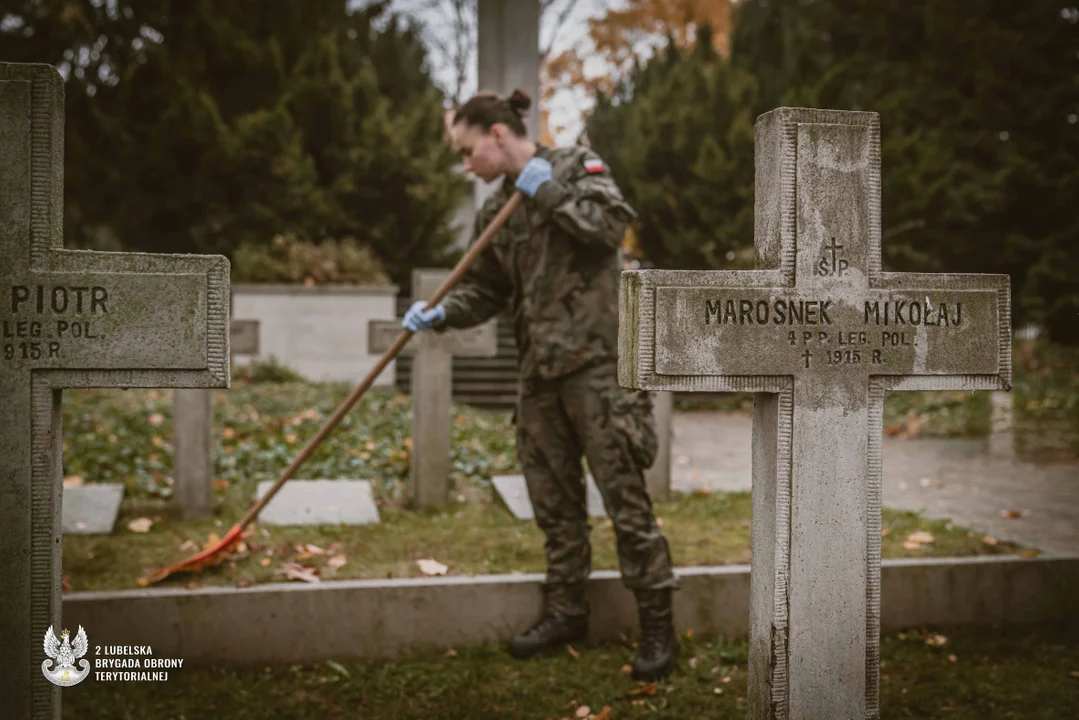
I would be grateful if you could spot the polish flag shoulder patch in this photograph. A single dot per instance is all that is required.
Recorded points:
(594, 165)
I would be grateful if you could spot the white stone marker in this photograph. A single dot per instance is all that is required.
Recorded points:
(513, 489)
(820, 333)
(71, 319)
(319, 502)
(432, 386)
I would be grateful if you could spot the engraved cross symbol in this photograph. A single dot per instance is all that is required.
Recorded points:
(72, 319)
(837, 265)
(820, 351)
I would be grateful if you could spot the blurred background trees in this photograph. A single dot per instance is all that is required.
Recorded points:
(979, 106)
(202, 126)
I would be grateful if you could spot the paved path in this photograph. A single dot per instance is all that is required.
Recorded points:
(954, 479)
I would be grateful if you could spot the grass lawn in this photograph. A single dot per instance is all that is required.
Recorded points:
(702, 529)
(1016, 672)
(260, 425)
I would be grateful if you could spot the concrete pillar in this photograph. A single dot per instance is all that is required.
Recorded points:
(658, 477)
(508, 56)
(192, 457)
(508, 50)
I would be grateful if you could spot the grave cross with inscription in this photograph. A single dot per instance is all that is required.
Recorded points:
(432, 386)
(71, 319)
(821, 334)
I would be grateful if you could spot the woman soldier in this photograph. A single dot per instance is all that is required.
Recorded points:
(556, 265)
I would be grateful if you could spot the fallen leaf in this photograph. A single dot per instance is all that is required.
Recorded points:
(936, 640)
(1010, 514)
(576, 655)
(244, 583)
(921, 537)
(73, 481)
(717, 691)
(626, 669)
(925, 482)
(156, 419)
(290, 438)
(189, 546)
(429, 566)
(336, 562)
(65, 586)
(902, 485)
(451, 653)
(885, 531)
(584, 711)
(1074, 673)
(193, 585)
(228, 433)
(604, 714)
(1029, 553)
(142, 582)
(644, 689)
(140, 525)
(990, 540)
(659, 522)
(220, 484)
(264, 561)
(693, 663)
(339, 668)
(294, 571)
(953, 659)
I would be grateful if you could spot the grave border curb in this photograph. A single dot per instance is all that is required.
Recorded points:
(285, 623)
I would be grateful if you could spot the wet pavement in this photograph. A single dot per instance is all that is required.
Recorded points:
(941, 478)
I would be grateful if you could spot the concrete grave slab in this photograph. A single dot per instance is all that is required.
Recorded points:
(319, 502)
(385, 619)
(820, 333)
(91, 509)
(513, 491)
(72, 319)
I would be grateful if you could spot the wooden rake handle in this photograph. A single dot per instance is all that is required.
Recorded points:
(463, 264)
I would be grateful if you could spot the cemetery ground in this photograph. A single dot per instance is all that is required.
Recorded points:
(125, 436)
(1000, 672)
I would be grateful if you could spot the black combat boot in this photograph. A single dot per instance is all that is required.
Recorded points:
(657, 650)
(552, 632)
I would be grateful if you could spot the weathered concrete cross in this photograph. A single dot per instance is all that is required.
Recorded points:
(821, 333)
(71, 319)
(432, 386)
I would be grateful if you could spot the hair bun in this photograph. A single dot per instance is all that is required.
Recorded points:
(519, 101)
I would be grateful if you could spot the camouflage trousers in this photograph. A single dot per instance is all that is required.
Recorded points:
(587, 413)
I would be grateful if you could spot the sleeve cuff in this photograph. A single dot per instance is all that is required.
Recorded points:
(551, 194)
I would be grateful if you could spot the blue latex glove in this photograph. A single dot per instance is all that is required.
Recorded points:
(416, 319)
(534, 174)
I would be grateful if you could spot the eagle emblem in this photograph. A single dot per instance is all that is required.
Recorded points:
(65, 654)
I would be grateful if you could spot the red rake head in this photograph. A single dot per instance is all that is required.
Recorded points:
(209, 557)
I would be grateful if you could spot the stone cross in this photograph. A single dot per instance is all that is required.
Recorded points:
(820, 333)
(432, 386)
(71, 319)
(192, 451)
(192, 432)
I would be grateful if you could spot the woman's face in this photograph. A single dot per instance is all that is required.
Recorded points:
(481, 151)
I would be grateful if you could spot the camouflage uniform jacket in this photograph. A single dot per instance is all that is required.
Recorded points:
(556, 264)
